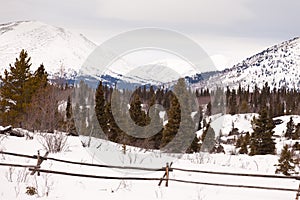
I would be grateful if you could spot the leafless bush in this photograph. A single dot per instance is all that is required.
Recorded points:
(54, 143)
(47, 185)
(9, 174)
(19, 176)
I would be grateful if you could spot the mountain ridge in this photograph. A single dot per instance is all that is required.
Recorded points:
(61, 51)
(277, 65)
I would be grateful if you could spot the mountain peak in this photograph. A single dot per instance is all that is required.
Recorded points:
(55, 47)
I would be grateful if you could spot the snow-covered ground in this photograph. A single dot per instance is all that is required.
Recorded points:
(49, 186)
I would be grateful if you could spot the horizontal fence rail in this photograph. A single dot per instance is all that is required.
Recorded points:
(84, 164)
(238, 186)
(237, 174)
(16, 165)
(158, 179)
(94, 176)
(167, 169)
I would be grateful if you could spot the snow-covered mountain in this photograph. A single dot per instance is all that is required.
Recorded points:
(58, 49)
(278, 65)
(63, 53)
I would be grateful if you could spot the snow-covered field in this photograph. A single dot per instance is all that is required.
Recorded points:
(14, 181)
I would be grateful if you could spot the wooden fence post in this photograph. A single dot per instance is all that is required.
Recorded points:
(39, 162)
(166, 174)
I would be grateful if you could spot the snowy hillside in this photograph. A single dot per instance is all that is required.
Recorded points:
(52, 186)
(278, 65)
(58, 49)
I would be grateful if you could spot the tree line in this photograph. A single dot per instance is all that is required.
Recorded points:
(276, 101)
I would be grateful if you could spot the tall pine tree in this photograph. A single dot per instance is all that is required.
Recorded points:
(18, 87)
(290, 126)
(261, 141)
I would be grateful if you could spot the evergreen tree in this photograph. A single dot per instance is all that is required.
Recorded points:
(69, 108)
(195, 146)
(136, 112)
(174, 117)
(18, 87)
(290, 126)
(208, 139)
(261, 141)
(239, 141)
(40, 77)
(286, 162)
(69, 117)
(233, 103)
(100, 107)
(244, 147)
(187, 123)
(153, 142)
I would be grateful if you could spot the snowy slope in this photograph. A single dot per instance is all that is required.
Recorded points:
(50, 186)
(15, 180)
(55, 47)
(242, 122)
(278, 65)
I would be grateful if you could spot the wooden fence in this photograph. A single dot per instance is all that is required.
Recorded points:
(167, 169)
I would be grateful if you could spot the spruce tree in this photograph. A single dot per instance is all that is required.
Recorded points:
(136, 112)
(208, 139)
(174, 117)
(290, 126)
(69, 117)
(187, 124)
(16, 90)
(195, 146)
(153, 142)
(286, 162)
(239, 141)
(233, 103)
(244, 147)
(261, 141)
(100, 107)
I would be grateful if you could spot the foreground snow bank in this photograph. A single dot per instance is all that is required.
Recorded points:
(14, 181)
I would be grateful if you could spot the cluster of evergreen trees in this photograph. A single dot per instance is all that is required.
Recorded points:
(28, 100)
(138, 110)
(261, 141)
(277, 102)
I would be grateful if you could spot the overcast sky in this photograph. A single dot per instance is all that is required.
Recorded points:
(229, 30)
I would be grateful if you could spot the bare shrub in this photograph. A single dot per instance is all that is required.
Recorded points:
(54, 143)
(9, 174)
(17, 175)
